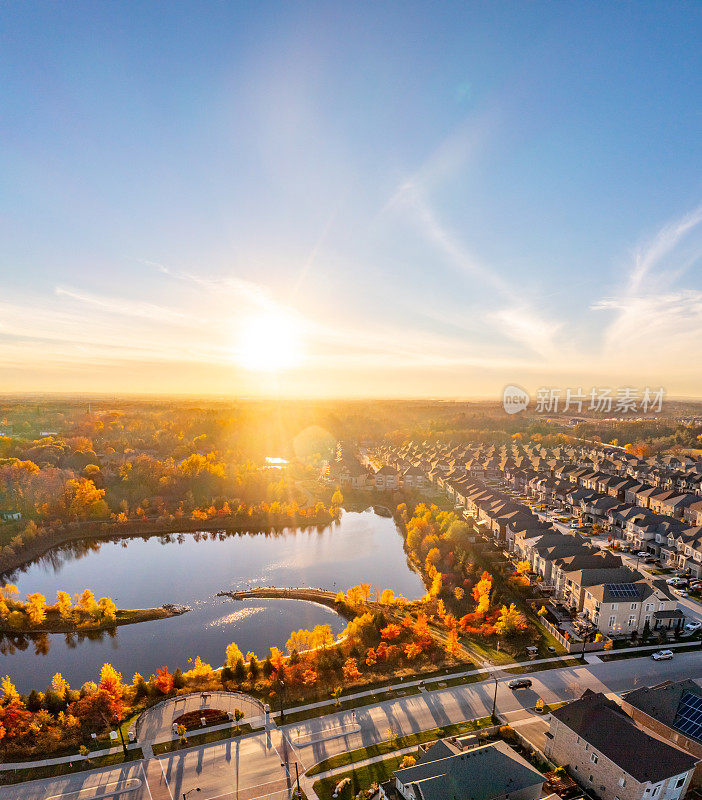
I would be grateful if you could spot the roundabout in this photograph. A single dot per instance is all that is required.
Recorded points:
(158, 722)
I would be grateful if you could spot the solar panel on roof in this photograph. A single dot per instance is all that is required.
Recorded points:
(688, 719)
(621, 590)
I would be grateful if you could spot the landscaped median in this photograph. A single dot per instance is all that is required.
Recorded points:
(201, 738)
(386, 748)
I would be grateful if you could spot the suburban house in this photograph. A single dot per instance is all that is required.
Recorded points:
(386, 479)
(444, 771)
(613, 759)
(672, 710)
(622, 608)
(7, 515)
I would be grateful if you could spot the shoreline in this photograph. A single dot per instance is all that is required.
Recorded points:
(124, 617)
(140, 528)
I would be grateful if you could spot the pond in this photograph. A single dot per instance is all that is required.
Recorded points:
(190, 569)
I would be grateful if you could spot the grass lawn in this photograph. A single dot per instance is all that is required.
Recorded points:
(386, 748)
(457, 681)
(202, 738)
(560, 664)
(361, 778)
(35, 773)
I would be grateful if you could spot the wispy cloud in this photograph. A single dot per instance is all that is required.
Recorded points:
(649, 257)
(655, 323)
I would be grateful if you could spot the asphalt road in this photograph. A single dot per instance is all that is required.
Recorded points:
(250, 767)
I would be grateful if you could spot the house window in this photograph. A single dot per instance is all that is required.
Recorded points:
(632, 620)
(612, 620)
(622, 781)
(655, 791)
(633, 606)
(680, 782)
(593, 758)
(590, 778)
(649, 606)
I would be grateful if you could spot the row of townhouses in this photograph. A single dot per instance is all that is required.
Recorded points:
(593, 583)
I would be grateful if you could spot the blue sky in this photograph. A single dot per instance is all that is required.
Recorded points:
(423, 199)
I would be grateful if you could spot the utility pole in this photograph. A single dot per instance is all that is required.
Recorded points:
(297, 778)
(494, 699)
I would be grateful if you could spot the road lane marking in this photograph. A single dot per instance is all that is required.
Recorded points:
(100, 790)
(146, 780)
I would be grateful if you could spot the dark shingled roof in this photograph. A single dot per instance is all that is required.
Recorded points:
(661, 702)
(609, 730)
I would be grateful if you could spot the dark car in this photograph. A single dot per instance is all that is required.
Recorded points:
(520, 683)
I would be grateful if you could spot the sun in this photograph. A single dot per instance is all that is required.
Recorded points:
(269, 343)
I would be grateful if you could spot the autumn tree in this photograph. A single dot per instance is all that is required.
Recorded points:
(481, 593)
(9, 693)
(351, 671)
(234, 655)
(238, 716)
(86, 602)
(35, 607)
(111, 684)
(523, 567)
(391, 631)
(452, 645)
(510, 622)
(64, 604)
(107, 609)
(163, 681)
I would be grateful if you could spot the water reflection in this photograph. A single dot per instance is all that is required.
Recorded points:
(191, 568)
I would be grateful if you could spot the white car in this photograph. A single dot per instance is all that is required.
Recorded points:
(662, 655)
(642, 554)
(681, 592)
(676, 582)
(693, 627)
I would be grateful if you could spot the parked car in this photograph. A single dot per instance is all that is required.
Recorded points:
(650, 560)
(662, 655)
(692, 627)
(676, 582)
(522, 683)
(642, 554)
(680, 592)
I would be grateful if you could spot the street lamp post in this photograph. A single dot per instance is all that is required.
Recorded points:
(297, 778)
(280, 697)
(494, 699)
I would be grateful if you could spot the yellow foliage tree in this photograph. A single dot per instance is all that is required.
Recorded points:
(86, 602)
(59, 684)
(36, 608)
(452, 646)
(200, 670)
(522, 567)
(510, 621)
(63, 604)
(234, 655)
(9, 693)
(481, 593)
(107, 609)
(459, 593)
